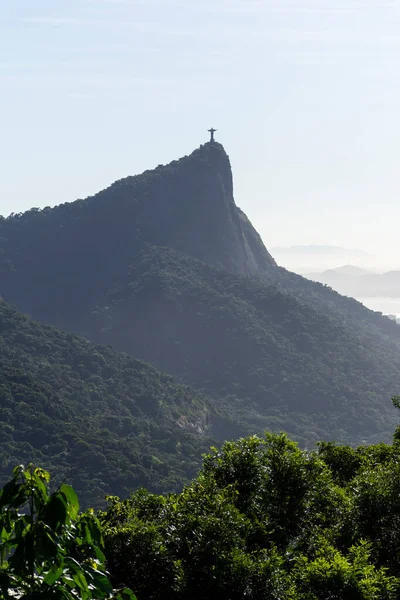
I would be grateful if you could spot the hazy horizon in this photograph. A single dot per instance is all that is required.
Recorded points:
(306, 259)
(304, 96)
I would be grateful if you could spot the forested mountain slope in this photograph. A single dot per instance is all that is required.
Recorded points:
(294, 367)
(100, 419)
(165, 267)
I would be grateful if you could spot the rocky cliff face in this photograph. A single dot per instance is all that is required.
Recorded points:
(214, 229)
(189, 206)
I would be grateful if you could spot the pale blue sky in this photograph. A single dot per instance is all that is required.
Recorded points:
(305, 95)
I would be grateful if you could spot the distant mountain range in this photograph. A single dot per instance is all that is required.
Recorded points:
(166, 268)
(308, 258)
(347, 271)
(360, 283)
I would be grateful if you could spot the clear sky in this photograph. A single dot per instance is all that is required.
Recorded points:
(305, 95)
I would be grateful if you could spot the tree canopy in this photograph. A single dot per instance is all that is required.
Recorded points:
(265, 519)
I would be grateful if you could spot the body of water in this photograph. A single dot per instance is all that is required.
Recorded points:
(387, 306)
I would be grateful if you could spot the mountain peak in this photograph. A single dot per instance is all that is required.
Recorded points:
(213, 229)
(189, 206)
(186, 205)
(216, 157)
(209, 158)
(214, 147)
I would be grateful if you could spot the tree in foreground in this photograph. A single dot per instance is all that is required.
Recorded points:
(265, 520)
(47, 549)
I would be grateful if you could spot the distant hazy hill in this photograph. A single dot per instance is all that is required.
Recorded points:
(347, 270)
(361, 283)
(102, 420)
(166, 267)
(306, 258)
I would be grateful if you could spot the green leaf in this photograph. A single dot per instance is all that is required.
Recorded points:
(55, 512)
(80, 580)
(47, 546)
(18, 470)
(54, 574)
(42, 489)
(61, 593)
(72, 500)
(126, 594)
(101, 583)
(94, 527)
(99, 555)
(43, 475)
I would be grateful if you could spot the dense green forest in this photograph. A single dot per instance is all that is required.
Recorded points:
(265, 520)
(102, 420)
(110, 423)
(165, 266)
(296, 369)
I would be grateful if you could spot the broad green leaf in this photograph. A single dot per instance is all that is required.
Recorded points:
(80, 580)
(72, 500)
(99, 554)
(53, 575)
(55, 512)
(101, 583)
(41, 488)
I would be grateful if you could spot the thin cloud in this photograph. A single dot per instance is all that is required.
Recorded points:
(145, 27)
(57, 21)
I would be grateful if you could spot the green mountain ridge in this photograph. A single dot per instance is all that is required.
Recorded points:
(100, 419)
(268, 348)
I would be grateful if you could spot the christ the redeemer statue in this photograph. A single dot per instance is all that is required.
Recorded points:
(212, 131)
